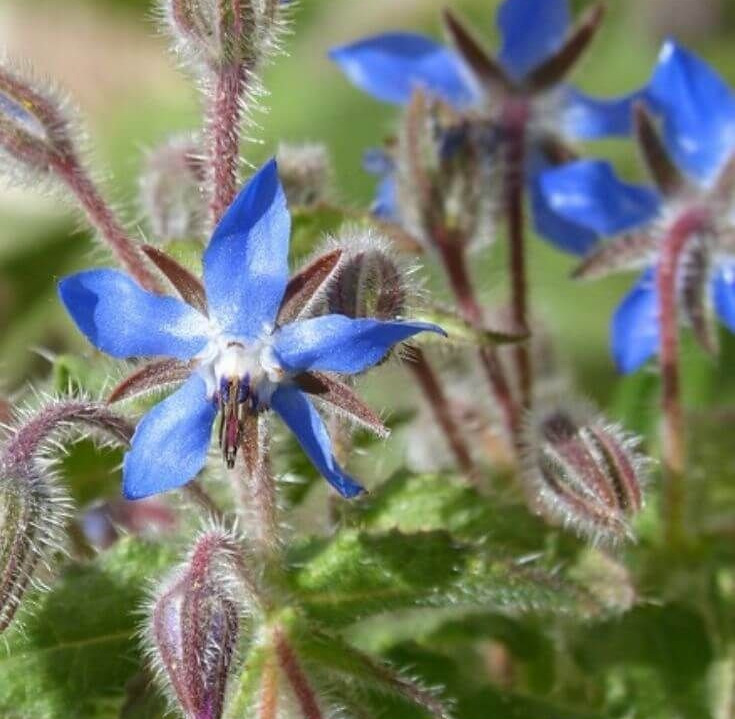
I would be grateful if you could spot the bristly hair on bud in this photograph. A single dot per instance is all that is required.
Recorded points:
(193, 623)
(447, 189)
(171, 190)
(306, 173)
(34, 506)
(372, 280)
(582, 471)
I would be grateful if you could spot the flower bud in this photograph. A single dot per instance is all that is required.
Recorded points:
(306, 173)
(194, 626)
(170, 191)
(220, 33)
(370, 281)
(583, 472)
(34, 511)
(444, 180)
(35, 133)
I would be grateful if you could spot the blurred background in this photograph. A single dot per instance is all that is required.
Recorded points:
(110, 57)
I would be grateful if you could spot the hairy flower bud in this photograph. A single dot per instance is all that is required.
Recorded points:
(219, 33)
(34, 507)
(34, 511)
(306, 173)
(194, 626)
(583, 472)
(445, 183)
(35, 133)
(370, 280)
(170, 190)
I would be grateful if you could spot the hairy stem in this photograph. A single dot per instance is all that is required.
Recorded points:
(459, 280)
(515, 120)
(107, 223)
(224, 136)
(292, 669)
(261, 496)
(673, 434)
(434, 393)
(30, 435)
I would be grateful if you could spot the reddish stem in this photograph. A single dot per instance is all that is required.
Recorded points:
(455, 266)
(226, 114)
(302, 689)
(437, 399)
(102, 217)
(673, 435)
(515, 120)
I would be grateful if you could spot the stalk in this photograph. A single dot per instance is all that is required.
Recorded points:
(515, 119)
(673, 430)
(437, 399)
(459, 280)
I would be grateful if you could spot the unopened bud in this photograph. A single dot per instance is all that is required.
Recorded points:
(34, 511)
(446, 187)
(194, 626)
(35, 133)
(305, 172)
(219, 33)
(583, 472)
(170, 190)
(370, 280)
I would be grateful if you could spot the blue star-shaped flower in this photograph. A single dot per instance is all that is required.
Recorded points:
(244, 361)
(693, 166)
(538, 49)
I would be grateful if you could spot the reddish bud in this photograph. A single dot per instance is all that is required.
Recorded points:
(583, 472)
(194, 625)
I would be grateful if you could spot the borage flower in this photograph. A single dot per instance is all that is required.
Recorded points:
(244, 355)
(685, 228)
(521, 93)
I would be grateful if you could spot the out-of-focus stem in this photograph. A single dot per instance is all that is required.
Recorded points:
(673, 434)
(224, 132)
(437, 399)
(453, 259)
(292, 669)
(515, 118)
(102, 217)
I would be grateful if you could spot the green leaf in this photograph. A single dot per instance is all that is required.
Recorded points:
(423, 502)
(91, 472)
(72, 653)
(356, 573)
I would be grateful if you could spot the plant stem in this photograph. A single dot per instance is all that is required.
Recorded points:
(102, 217)
(260, 485)
(291, 667)
(437, 399)
(455, 266)
(515, 119)
(673, 433)
(224, 136)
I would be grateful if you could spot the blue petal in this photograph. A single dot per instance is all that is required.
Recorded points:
(723, 286)
(589, 118)
(246, 263)
(559, 231)
(390, 67)
(122, 319)
(589, 194)
(531, 30)
(306, 424)
(698, 111)
(170, 445)
(635, 326)
(335, 343)
(385, 204)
